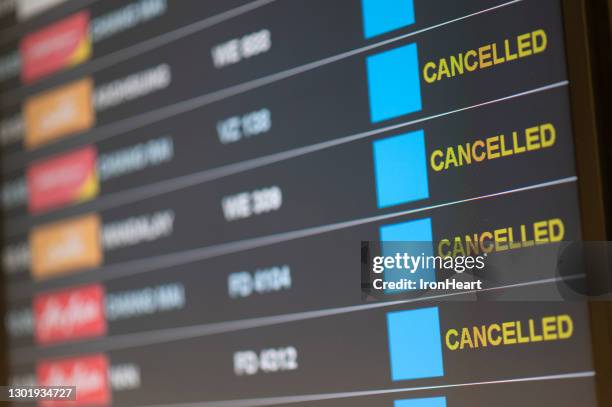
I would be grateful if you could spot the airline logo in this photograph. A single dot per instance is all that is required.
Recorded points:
(90, 375)
(65, 246)
(58, 46)
(69, 314)
(58, 113)
(65, 179)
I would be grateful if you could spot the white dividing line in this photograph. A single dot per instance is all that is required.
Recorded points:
(19, 225)
(152, 263)
(14, 96)
(20, 356)
(271, 401)
(122, 126)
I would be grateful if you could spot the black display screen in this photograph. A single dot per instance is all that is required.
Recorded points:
(186, 185)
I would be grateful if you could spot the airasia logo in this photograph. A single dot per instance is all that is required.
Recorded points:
(89, 374)
(58, 46)
(61, 180)
(69, 315)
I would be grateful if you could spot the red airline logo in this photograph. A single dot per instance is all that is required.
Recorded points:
(69, 315)
(89, 374)
(62, 180)
(58, 46)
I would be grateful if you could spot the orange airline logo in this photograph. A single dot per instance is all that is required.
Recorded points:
(59, 112)
(66, 246)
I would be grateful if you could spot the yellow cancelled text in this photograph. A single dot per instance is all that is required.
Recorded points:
(491, 148)
(504, 238)
(548, 328)
(486, 56)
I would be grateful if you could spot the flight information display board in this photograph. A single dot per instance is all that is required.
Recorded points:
(186, 185)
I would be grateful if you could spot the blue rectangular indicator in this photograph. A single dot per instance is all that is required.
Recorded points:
(415, 345)
(428, 402)
(382, 16)
(412, 237)
(394, 83)
(400, 167)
